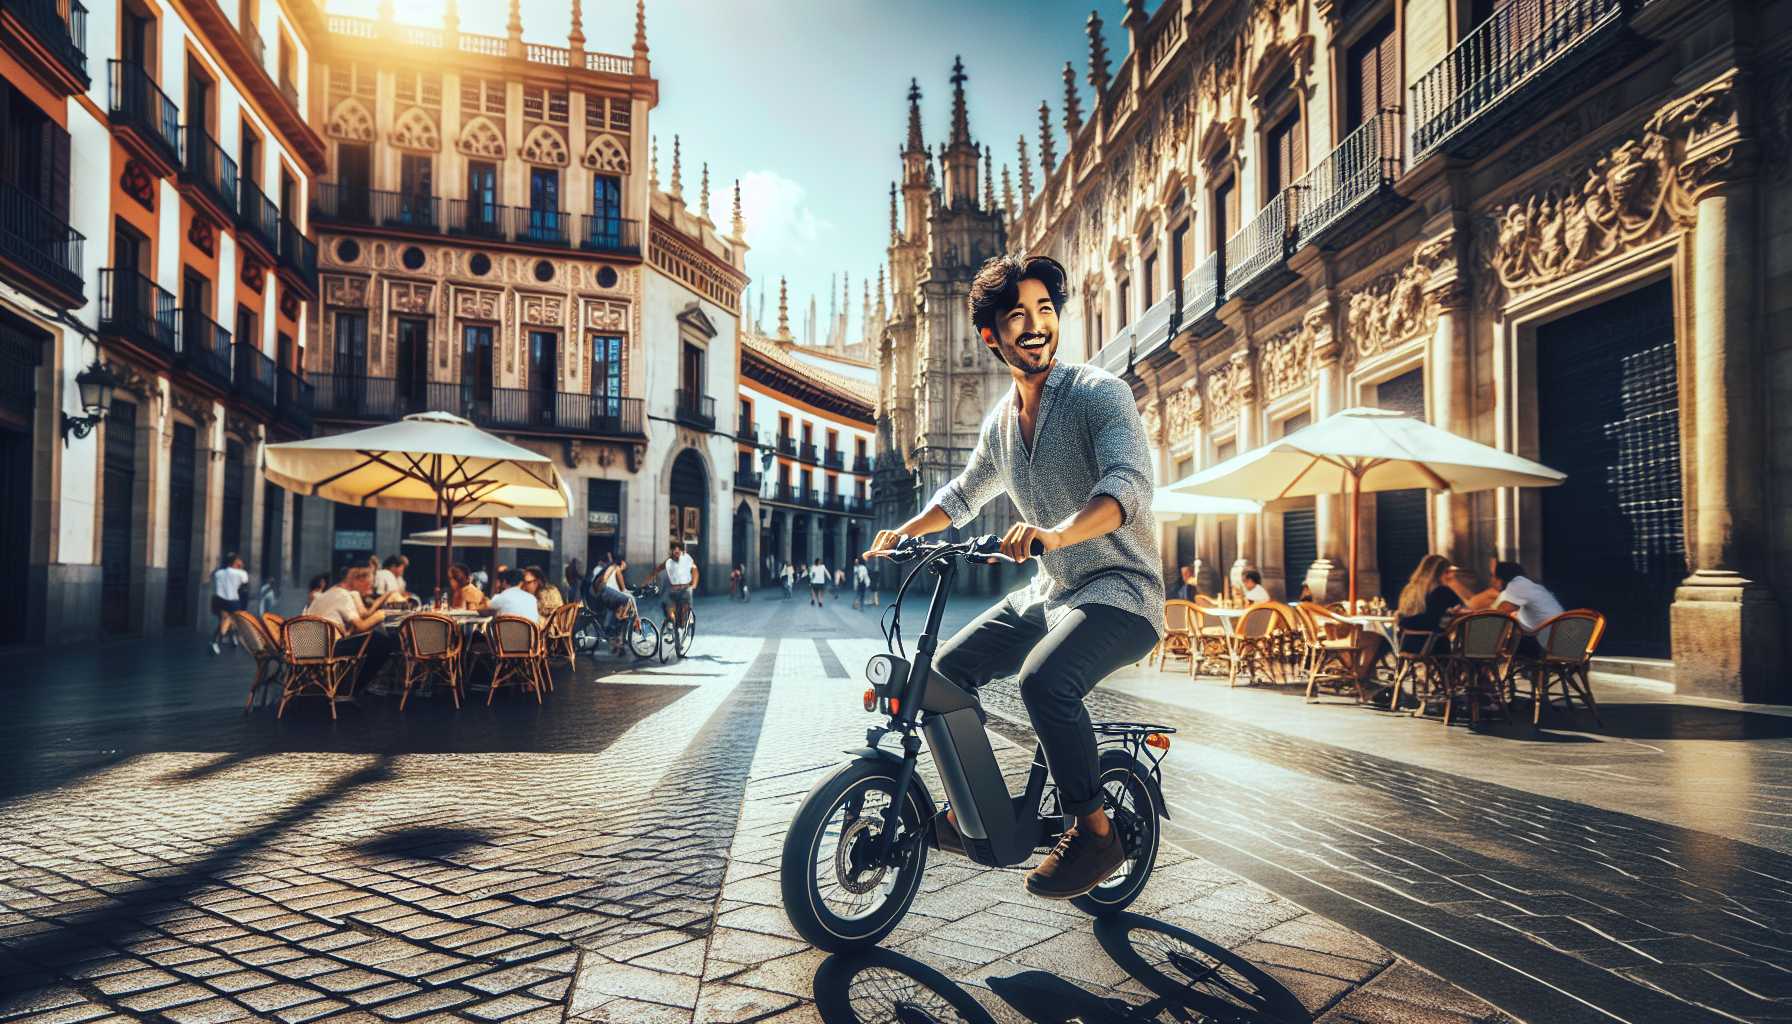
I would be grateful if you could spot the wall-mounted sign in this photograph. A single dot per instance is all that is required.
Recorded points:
(354, 540)
(602, 522)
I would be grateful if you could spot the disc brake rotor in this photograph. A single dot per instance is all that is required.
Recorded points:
(855, 880)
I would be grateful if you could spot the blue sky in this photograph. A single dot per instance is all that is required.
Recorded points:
(805, 102)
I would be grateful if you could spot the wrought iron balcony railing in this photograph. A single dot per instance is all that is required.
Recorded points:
(298, 253)
(207, 167)
(610, 234)
(833, 458)
(205, 348)
(746, 480)
(133, 308)
(1521, 46)
(694, 409)
(257, 215)
(861, 464)
(808, 452)
(257, 379)
(296, 400)
(1203, 289)
(355, 396)
(376, 208)
(36, 240)
(140, 107)
(1353, 180)
(1257, 256)
(787, 444)
(1116, 356)
(541, 227)
(1156, 327)
(743, 430)
(64, 37)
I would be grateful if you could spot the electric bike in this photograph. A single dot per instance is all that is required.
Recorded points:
(855, 853)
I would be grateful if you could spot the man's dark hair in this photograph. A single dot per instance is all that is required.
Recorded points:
(394, 562)
(677, 546)
(1253, 576)
(1507, 571)
(512, 577)
(996, 289)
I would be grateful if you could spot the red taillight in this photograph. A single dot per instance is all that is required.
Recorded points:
(870, 700)
(1158, 740)
(895, 706)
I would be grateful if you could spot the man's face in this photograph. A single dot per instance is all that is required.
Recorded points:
(1026, 337)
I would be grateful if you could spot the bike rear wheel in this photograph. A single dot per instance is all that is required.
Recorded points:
(585, 633)
(643, 638)
(687, 634)
(1131, 803)
(833, 896)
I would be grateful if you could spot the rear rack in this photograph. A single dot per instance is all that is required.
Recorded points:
(1131, 737)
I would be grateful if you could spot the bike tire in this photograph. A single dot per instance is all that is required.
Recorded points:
(585, 632)
(668, 640)
(643, 638)
(688, 634)
(1121, 773)
(803, 900)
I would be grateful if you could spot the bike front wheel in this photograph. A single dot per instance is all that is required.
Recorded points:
(643, 638)
(834, 896)
(585, 633)
(1131, 803)
(687, 634)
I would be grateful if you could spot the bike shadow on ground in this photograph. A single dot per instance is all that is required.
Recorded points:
(1191, 980)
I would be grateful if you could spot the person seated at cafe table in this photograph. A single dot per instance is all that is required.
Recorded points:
(1254, 591)
(513, 598)
(346, 605)
(1527, 601)
(390, 577)
(547, 596)
(1426, 601)
(462, 594)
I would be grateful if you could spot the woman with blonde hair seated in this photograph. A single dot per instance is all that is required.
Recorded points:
(1427, 597)
(462, 594)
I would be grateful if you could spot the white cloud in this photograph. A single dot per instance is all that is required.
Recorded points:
(779, 220)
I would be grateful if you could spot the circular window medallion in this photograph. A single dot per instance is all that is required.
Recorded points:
(606, 277)
(413, 258)
(544, 271)
(480, 264)
(348, 250)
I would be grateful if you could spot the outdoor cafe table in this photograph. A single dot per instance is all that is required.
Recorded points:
(472, 624)
(1382, 623)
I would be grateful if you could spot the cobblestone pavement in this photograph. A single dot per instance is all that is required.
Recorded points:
(611, 856)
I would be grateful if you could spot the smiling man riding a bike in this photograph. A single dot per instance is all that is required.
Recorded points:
(681, 578)
(1067, 446)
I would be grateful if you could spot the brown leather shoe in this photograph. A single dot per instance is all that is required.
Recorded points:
(1077, 864)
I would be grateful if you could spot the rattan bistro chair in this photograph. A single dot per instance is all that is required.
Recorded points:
(1212, 639)
(431, 645)
(557, 635)
(519, 656)
(1573, 637)
(1481, 648)
(1179, 632)
(1258, 640)
(311, 661)
(1331, 654)
(268, 665)
(1420, 671)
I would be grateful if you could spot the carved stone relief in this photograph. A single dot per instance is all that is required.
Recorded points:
(342, 290)
(1182, 411)
(476, 303)
(350, 122)
(415, 129)
(543, 310)
(546, 147)
(411, 297)
(1396, 307)
(606, 154)
(480, 137)
(1285, 361)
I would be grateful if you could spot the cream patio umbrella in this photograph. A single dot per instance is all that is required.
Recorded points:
(430, 462)
(512, 533)
(1361, 450)
(1169, 506)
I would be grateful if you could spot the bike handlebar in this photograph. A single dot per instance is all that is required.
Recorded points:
(987, 548)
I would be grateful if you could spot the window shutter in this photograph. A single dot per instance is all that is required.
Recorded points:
(1297, 149)
(56, 170)
(10, 152)
(1387, 59)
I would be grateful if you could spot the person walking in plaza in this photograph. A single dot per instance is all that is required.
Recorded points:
(818, 582)
(788, 574)
(230, 586)
(839, 581)
(1067, 446)
(861, 582)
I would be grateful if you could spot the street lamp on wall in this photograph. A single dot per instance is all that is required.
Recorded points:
(95, 384)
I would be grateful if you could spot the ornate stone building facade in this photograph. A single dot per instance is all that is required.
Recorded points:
(1557, 229)
(496, 242)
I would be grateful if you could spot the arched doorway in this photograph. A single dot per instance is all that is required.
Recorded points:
(744, 530)
(689, 517)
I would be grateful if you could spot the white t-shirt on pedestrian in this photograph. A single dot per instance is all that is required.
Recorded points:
(517, 601)
(1535, 605)
(789, 572)
(228, 582)
(861, 575)
(818, 575)
(679, 570)
(385, 581)
(1256, 593)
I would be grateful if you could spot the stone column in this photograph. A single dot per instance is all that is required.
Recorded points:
(1448, 387)
(784, 535)
(1725, 625)
(1327, 577)
(1244, 386)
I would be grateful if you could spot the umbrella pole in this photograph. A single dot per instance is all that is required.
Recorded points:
(1356, 501)
(439, 560)
(450, 557)
(494, 576)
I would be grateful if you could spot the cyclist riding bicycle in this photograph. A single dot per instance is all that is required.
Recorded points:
(1067, 446)
(609, 594)
(681, 578)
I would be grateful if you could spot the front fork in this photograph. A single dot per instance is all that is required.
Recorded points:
(942, 569)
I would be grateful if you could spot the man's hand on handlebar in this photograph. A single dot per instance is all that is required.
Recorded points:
(1024, 540)
(885, 543)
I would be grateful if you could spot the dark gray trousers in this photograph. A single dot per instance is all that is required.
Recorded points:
(1057, 667)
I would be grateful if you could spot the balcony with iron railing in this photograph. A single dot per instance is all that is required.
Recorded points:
(808, 452)
(298, 254)
(39, 250)
(204, 348)
(858, 506)
(787, 445)
(862, 464)
(257, 377)
(1203, 289)
(63, 37)
(695, 409)
(787, 493)
(834, 502)
(743, 431)
(257, 215)
(1116, 356)
(610, 234)
(1156, 327)
(1353, 187)
(833, 458)
(364, 397)
(1515, 67)
(1257, 256)
(376, 208)
(747, 480)
(296, 400)
(208, 170)
(144, 115)
(135, 310)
